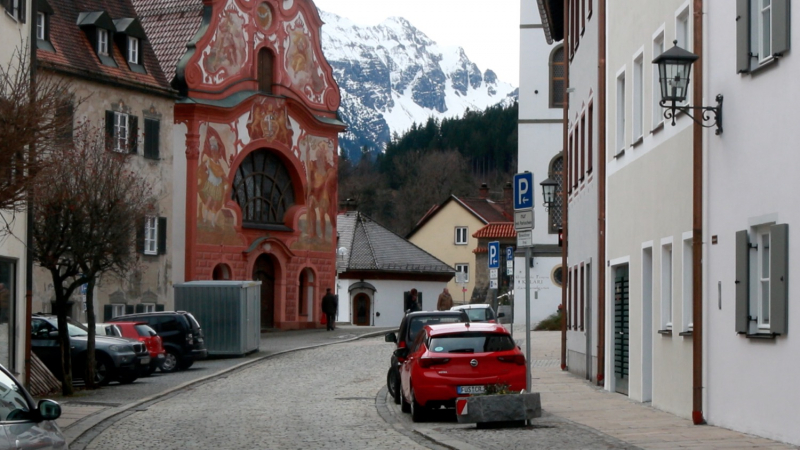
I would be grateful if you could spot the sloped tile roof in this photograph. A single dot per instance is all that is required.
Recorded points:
(170, 24)
(484, 209)
(372, 247)
(75, 55)
(496, 230)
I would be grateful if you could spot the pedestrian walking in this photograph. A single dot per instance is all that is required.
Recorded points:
(329, 306)
(445, 301)
(413, 303)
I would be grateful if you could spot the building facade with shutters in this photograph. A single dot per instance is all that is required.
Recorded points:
(119, 90)
(15, 32)
(257, 130)
(753, 320)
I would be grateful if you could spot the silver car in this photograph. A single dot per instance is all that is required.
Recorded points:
(25, 423)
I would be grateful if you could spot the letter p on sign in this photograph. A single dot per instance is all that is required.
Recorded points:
(523, 194)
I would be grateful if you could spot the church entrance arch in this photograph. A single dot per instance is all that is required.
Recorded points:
(264, 271)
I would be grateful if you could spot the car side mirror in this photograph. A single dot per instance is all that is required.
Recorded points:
(53, 334)
(401, 353)
(390, 337)
(48, 410)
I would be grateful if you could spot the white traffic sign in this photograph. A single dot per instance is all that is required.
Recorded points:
(523, 219)
(492, 274)
(525, 238)
(510, 270)
(492, 284)
(494, 255)
(523, 190)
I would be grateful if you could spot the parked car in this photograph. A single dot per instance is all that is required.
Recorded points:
(115, 358)
(138, 331)
(24, 422)
(181, 336)
(478, 312)
(457, 360)
(411, 324)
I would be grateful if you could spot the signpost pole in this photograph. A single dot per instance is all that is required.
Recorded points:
(528, 317)
(523, 224)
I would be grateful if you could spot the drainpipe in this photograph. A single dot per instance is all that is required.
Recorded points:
(601, 192)
(565, 198)
(29, 216)
(697, 225)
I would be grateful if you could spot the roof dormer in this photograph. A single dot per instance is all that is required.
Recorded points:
(99, 28)
(130, 38)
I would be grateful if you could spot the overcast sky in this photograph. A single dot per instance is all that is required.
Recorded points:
(489, 37)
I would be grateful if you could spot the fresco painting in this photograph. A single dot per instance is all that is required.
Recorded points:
(214, 221)
(264, 15)
(319, 220)
(226, 55)
(301, 64)
(268, 120)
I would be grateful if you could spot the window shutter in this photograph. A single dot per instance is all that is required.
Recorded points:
(780, 27)
(152, 128)
(139, 308)
(23, 10)
(140, 235)
(128, 309)
(107, 312)
(419, 300)
(742, 36)
(406, 300)
(779, 278)
(162, 235)
(159, 308)
(742, 281)
(133, 134)
(110, 130)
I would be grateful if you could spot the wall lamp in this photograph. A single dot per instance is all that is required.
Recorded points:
(674, 68)
(549, 193)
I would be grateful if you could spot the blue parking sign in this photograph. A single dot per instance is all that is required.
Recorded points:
(509, 253)
(523, 190)
(494, 255)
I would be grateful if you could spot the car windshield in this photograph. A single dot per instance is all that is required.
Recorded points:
(480, 314)
(76, 329)
(418, 322)
(471, 342)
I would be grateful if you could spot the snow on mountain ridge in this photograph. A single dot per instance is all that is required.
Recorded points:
(392, 75)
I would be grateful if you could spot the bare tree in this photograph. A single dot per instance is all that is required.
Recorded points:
(85, 220)
(35, 118)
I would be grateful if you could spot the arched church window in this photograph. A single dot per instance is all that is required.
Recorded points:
(265, 70)
(263, 189)
(557, 78)
(556, 173)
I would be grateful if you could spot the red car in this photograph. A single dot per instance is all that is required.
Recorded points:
(456, 360)
(143, 332)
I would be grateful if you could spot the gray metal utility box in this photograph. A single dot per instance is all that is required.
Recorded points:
(228, 311)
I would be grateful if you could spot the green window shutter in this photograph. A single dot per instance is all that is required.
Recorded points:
(107, 312)
(742, 281)
(140, 235)
(742, 36)
(133, 134)
(139, 308)
(110, 130)
(779, 278)
(781, 23)
(128, 309)
(23, 10)
(159, 308)
(162, 235)
(152, 127)
(406, 301)
(419, 300)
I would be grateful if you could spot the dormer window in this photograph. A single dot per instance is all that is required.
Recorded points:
(133, 50)
(41, 26)
(102, 42)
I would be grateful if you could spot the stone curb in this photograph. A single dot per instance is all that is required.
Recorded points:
(76, 431)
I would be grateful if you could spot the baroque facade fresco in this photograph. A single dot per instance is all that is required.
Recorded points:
(302, 64)
(227, 53)
(319, 221)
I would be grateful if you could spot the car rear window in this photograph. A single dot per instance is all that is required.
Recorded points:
(193, 322)
(145, 330)
(480, 314)
(471, 342)
(418, 322)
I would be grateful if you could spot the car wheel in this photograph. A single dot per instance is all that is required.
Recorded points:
(404, 405)
(418, 413)
(103, 370)
(393, 384)
(170, 362)
(127, 377)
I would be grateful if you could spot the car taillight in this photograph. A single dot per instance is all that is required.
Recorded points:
(401, 344)
(190, 339)
(428, 362)
(491, 321)
(517, 359)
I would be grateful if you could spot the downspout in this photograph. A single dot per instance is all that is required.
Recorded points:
(697, 225)
(601, 191)
(565, 198)
(29, 213)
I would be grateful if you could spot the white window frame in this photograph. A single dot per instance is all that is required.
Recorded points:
(151, 235)
(683, 34)
(148, 307)
(102, 41)
(763, 25)
(638, 96)
(133, 50)
(41, 24)
(463, 267)
(658, 49)
(117, 309)
(459, 239)
(620, 109)
(666, 284)
(760, 275)
(687, 273)
(121, 130)
(14, 12)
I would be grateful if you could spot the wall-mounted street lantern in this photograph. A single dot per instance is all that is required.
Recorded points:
(549, 193)
(674, 68)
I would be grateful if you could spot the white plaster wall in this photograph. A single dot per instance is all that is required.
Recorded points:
(545, 294)
(648, 199)
(388, 299)
(751, 172)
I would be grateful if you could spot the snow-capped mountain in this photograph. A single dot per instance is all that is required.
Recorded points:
(392, 75)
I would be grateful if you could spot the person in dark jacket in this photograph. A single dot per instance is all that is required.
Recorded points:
(329, 306)
(413, 302)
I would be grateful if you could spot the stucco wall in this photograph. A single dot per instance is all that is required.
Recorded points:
(387, 301)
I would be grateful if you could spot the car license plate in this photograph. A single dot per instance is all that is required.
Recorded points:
(471, 389)
(145, 360)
